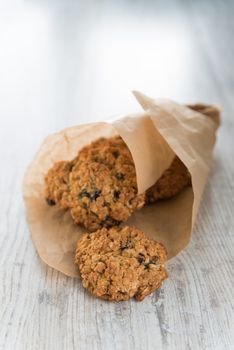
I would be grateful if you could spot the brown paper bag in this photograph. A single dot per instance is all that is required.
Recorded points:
(154, 137)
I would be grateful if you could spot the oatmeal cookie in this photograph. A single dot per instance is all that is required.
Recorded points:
(120, 263)
(57, 184)
(172, 181)
(102, 183)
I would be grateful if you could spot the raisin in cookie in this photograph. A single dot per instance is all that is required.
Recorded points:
(172, 181)
(120, 263)
(102, 185)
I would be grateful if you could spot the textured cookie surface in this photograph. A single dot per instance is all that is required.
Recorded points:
(103, 186)
(57, 184)
(172, 181)
(120, 263)
(99, 186)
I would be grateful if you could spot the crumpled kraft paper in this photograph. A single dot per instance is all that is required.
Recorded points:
(164, 129)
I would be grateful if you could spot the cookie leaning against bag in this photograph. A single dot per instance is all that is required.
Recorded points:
(120, 263)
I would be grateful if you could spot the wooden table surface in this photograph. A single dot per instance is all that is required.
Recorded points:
(69, 62)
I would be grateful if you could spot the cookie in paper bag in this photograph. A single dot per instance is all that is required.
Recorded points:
(99, 186)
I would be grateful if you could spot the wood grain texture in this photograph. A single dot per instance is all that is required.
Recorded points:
(66, 62)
